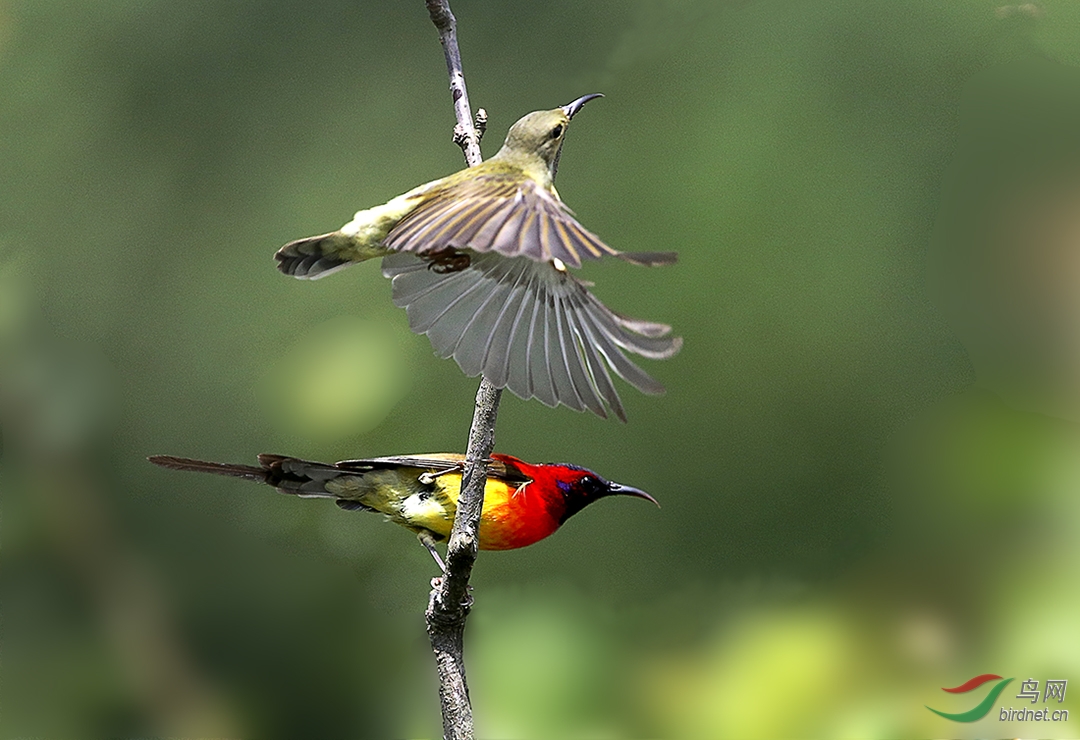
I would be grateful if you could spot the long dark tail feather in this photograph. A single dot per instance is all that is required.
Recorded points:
(287, 474)
(312, 257)
(247, 472)
(649, 259)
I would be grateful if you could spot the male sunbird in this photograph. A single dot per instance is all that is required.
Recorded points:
(479, 260)
(523, 503)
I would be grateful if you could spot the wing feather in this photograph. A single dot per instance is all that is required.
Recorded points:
(442, 297)
(447, 330)
(439, 462)
(499, 210)
(523, 344)
(497, 356)
(544, 376)
(477, 218)
(623, 333)
(530, 328)
(595, 366)
(479, 331)
(505, 240)
(570, 242)
(573, 361)
(618, 361)
(417, 232)
(490, 229)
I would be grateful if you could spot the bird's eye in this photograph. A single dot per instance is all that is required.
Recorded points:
(557, 131)
(588, 482)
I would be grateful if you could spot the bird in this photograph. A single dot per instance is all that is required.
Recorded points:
(523, 503)
(480, 261)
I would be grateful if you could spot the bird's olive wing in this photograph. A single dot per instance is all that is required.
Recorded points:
(435, 461)
(501, 212)
(530, 328)
(440, 462)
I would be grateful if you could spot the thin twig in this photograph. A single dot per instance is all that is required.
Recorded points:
(464, 132)
(449, 603)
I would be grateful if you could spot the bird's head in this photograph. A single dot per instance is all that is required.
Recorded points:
(541, 133)
(580, 487)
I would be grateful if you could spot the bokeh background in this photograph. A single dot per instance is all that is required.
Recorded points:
(867, 457)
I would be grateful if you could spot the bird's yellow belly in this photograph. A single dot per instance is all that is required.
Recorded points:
(498, 527)
(427, 512)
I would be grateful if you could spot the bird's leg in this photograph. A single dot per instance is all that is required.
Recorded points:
(428, 478)
(429, 544)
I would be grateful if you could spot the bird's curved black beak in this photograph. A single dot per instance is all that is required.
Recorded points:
(570, 109)
(617, 489)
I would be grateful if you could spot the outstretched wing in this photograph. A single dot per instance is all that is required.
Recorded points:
(497, 211)
(528, 327)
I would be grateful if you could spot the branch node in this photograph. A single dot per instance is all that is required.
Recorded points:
(442, 17)
(480, 123)
(461, 136)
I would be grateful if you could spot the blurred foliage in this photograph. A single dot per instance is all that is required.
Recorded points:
(846, 527)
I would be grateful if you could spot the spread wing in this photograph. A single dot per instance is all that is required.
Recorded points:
(530, 328)
(502, 213)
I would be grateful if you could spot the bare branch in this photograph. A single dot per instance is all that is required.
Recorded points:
(465, 132)
(449, 603)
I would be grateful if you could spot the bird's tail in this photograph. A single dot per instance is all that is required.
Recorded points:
(316, 256)
(247, 472)
(286, 474)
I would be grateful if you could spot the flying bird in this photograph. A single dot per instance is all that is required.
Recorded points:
(480, 261)
(523, 503)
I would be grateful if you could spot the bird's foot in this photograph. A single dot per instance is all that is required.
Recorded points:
(429, 544)
(428, 477)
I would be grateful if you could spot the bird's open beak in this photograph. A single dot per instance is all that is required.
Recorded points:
(617, 489)
(570, 109)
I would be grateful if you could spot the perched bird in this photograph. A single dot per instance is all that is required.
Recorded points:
(479, 260)
(523, 503)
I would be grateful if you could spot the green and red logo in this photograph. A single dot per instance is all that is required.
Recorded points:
(982, 708)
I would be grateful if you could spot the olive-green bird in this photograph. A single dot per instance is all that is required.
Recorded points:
(479, 260)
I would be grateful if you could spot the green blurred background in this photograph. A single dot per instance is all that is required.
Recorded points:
(853, 515)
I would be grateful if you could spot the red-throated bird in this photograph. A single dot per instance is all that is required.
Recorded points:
(523, 503)
(479, 260)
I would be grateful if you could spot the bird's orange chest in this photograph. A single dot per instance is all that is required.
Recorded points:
(518, 515)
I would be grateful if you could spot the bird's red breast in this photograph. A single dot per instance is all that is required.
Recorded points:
(519, 509)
